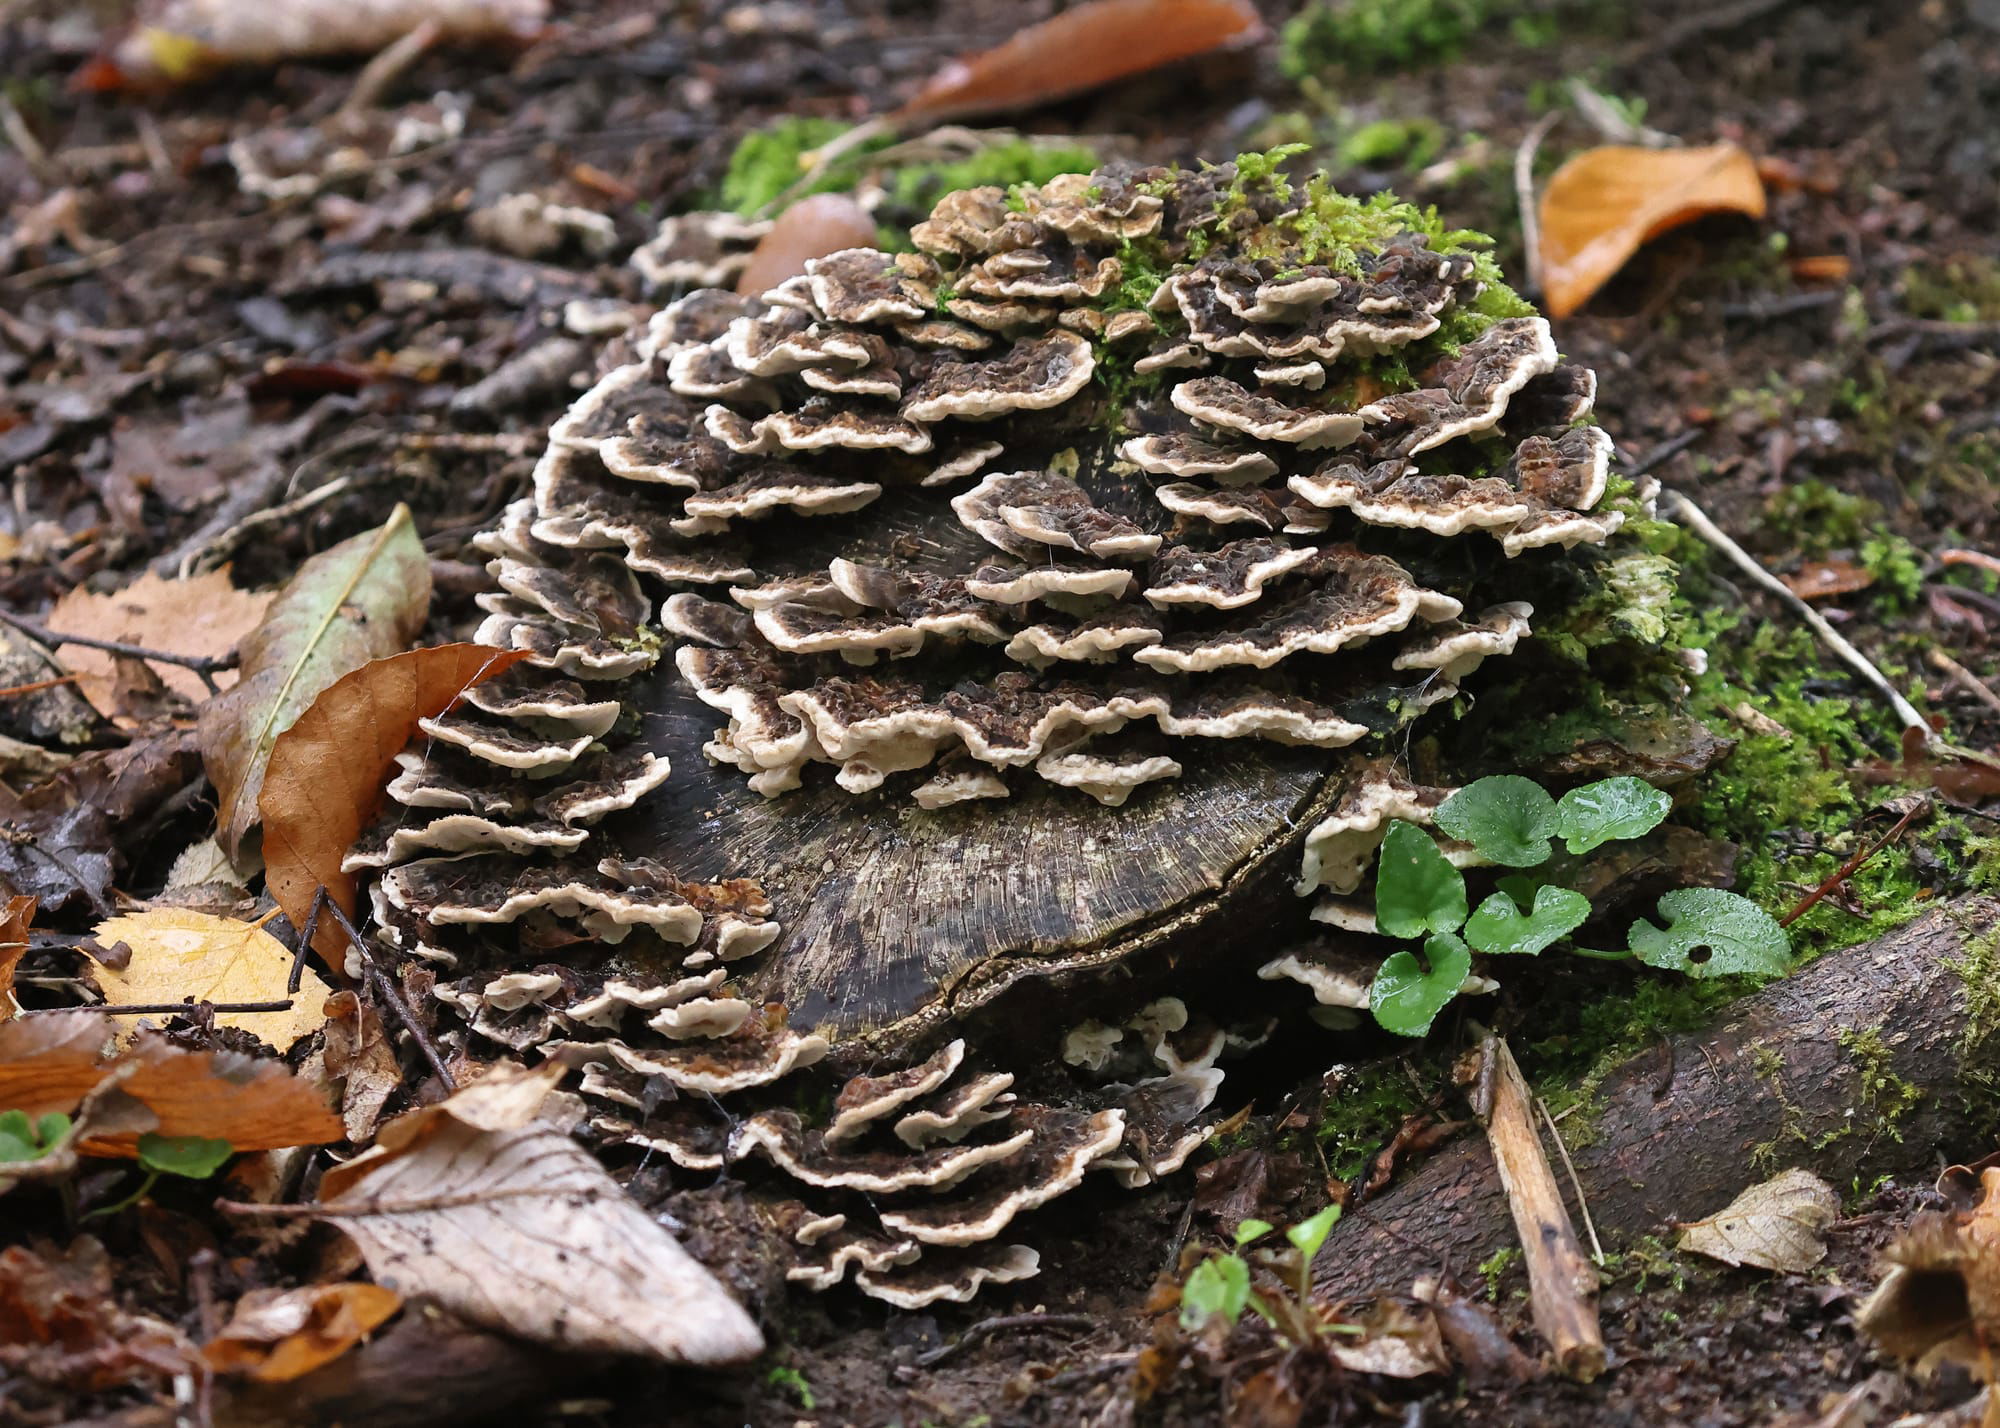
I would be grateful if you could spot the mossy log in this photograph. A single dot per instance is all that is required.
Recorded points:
(1873, 1060)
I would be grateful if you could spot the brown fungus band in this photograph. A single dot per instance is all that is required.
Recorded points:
(933, 622)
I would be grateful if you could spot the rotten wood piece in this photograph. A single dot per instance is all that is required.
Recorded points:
(1562, 1282)
(1770, 1085)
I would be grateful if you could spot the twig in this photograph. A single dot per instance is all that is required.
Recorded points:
(1613, 126)
(1847, 869)
(173, 1008)
(985, 1327)
(322, 902)
(1979, 558)
(1562, 1284)
(271, 515)
(1680, 508)
(36, 687)
(203, 665)
(1576, 1183)
(385, 69)
(1958, 673)
(1663, 453)
(26, 144)
(1524, 194)
(1763, 309)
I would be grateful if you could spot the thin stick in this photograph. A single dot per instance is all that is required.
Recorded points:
(1847, 869)
(1968, 681)
(1680, 508)
(1524, 194)
(1576, 1183)
(202, 665)
(173, 1008)
(385, 69)
(384, 988)
(36, 687)
(1663, 453)
(1562, 1284)
(933, 1357)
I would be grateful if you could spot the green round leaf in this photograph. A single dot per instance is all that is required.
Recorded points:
(1506, 817)
(1608, 810)
(1248, 1230)
(1499, 925)
(1711, 933)
(23, 1140)
(1218, 1288)
(1406, 998)
(188, 1155)
(1416, 890)
(1308, 1235)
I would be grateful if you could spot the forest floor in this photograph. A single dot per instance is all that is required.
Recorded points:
(174, 345)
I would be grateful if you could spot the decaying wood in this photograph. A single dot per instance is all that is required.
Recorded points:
(1562, 1282)
(1779, 1081)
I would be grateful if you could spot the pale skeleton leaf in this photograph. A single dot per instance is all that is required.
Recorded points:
(1779, 1225)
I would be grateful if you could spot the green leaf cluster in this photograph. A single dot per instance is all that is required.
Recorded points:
(23, 1138)
(1512, 821)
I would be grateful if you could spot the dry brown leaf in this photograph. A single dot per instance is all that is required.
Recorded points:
(815, 226)
(1090, 44)
(177, 954)
(1826, 579)
(15, 917)
(1778, 1225)
(277, 1335)
(50, 1062)
(327, 772)
(359, 1057)
(1940, 1300)
(511, 1224)
(62, 1328)
(202, 616)
(365, 598)
(1601, 205)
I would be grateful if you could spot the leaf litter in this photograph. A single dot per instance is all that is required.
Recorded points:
(174, 954)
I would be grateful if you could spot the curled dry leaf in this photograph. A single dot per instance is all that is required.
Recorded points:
(1083, 47)
(327, 771)
(16, 914)
(511, 1224)
(1779, 1225)
(177, 954)
(277, 1335)
(204, 616)
(1826, 579)
(1601, 205)
(51, 1062)
(365, 598)
(815, 226)
(1940, 1300)
(179, 41)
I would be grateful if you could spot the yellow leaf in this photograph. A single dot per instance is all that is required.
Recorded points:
(1605, 202)
(178, 954)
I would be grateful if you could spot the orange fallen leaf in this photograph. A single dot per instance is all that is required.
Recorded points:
(811, 228)
(51, 1062)
(277, 1335)
(1083, 47)
(1605, 202)
(202, 616)
(15, 916)
(1821, 268)
(327, 771)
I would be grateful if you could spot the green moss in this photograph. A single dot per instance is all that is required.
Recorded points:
(1898, 568)
(1358, 1120)
(768, 161)
(1495, 1268)
(1359, 35)
(1887, 1097)
(1821, 518)
(1965, 289)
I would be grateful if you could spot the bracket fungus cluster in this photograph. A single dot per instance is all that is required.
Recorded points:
(1004, 608)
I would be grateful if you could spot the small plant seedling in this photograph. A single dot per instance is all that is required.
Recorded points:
(23, 1140)
(1512, 821)
(1219, 1288)
(792, 1381)
(191, 1157)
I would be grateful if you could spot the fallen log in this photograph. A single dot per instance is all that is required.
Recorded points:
(1803, 1072)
